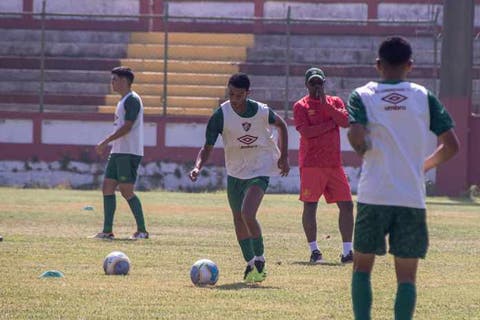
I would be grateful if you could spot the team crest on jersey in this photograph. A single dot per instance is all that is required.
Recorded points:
(247, 139)
(246, 126)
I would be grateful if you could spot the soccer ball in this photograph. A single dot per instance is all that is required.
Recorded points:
(116, 263)
(204, 272)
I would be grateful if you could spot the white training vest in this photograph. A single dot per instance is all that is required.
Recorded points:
(249, 144)
(132, 142)
(398, 123)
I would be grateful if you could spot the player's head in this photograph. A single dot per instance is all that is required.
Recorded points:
(238, 89)
(123, 73)
(394, 56)
(314, 81)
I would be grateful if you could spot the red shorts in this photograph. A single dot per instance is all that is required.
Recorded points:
(331, 182)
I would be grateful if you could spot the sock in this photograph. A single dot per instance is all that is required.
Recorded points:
(258, 248)
(247, 249)
(347, 247)
(260, 258)
(137, 211)
(109, 206)
(405, 301)
(313, 246)
(361, 295)
(251, 263)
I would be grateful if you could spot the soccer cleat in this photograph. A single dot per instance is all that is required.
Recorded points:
(104, 236)
(316, 257)
(249, 275)
(348, 258)
(139, 235)
(261, 271)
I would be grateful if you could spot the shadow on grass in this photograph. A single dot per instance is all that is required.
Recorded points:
(326, 263)
(241, 286)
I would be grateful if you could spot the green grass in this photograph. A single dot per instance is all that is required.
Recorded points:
(48, 229)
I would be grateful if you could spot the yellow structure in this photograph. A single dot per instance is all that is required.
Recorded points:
(199, 65)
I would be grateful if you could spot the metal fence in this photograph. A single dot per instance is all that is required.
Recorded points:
(424, 28)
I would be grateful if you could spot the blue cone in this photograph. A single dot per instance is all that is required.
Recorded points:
(52, 274)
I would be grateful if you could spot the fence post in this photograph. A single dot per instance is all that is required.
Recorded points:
(165, 57)
(42, 58)
(287, 63)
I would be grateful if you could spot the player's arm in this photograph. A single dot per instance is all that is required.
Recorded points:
(281, 125)
(304, 127)
(358, 132)
(447, 148)
(442, 125)
(357, 136)
(214, 128)
(338, 112)
(132, 108)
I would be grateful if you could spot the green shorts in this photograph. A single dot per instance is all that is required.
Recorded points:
(406, 228)
(122, 167)
(236, 189)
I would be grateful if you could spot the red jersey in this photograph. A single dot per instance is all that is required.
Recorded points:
(319, 127)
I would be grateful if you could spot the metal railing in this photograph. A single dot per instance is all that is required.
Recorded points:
(424, 26)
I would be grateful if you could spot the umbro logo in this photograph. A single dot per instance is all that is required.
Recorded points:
(394, 98)
(247, 139)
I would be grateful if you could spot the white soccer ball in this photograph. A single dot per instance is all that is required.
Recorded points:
(116, 263)
(204, 272)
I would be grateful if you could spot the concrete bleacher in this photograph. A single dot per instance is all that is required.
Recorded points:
(76, 68)
(199, 66)
(78, 64)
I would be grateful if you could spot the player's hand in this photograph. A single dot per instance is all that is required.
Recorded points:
(193, 175)
(100, 148)
(283, 166)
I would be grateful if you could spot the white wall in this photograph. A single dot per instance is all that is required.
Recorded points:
(212, 9)
(87, 132)
(277, 9)
(16, 131)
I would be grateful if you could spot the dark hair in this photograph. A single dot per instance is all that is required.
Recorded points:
(239, 80)
(124, 72)
(395, 51)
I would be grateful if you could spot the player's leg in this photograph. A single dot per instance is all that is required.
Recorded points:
(309, 222)
(235, 193)
(361, 285)
(337, 190)
(127, 166)
(371, 225)
(345, 224)
(254, 193)
(109, 202)
(406, 270)
(408, 242)
(312, 185)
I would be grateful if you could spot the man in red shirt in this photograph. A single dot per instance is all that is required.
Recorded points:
(318, 118)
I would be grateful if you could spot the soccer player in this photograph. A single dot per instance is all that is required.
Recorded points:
(125, 155)
(390, 120)
(318, 118)
(251, 156)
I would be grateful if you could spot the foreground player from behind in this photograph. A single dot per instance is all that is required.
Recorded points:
(390, 120)
(251, 156)
(318, 118)
(125, 156)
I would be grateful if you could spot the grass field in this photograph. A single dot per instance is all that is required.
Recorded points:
(48, 229)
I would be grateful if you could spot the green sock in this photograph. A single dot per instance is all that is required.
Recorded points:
(109, 206)
(361, 295)
(405, 301)
(247, 249)
(258, 246)
(137, 211)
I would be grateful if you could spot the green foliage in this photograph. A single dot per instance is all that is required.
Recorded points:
(48, 229)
